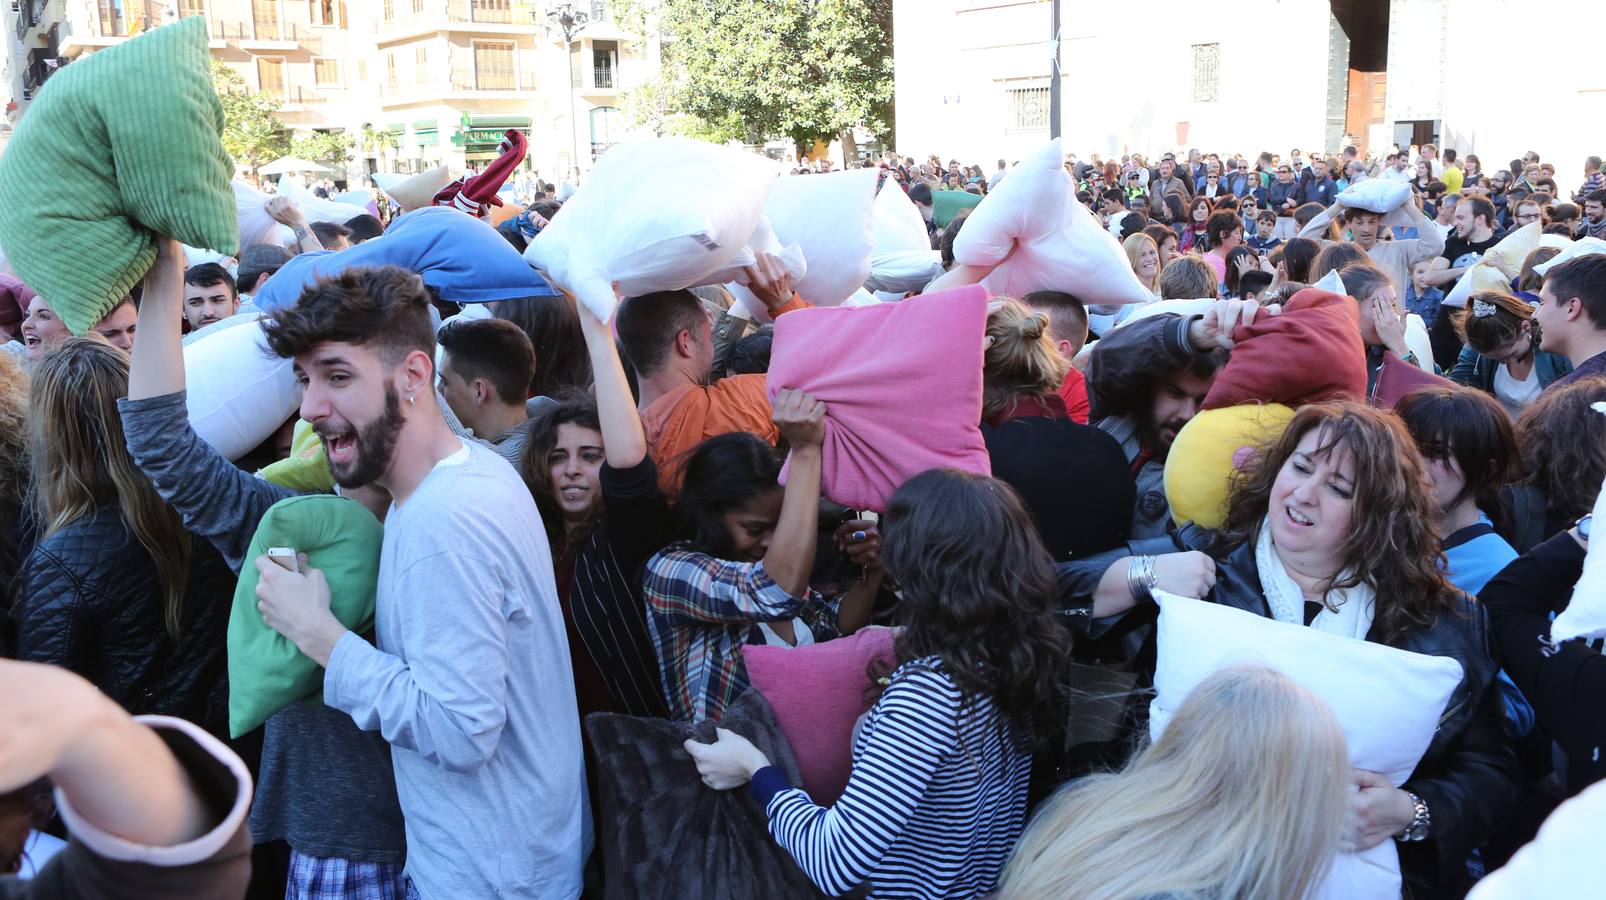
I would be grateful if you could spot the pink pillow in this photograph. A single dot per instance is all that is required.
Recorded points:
(818, 693)
(901, 384)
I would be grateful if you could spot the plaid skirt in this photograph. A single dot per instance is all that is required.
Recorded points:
(318, 878)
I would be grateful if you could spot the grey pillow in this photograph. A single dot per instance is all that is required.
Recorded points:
(665, 834)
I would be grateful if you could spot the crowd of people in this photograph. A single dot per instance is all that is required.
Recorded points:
(589, 521)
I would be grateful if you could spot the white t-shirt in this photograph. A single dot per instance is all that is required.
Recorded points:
(1515, 395)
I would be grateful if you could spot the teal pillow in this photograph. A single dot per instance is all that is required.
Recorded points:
(342, 539)
(119, 147)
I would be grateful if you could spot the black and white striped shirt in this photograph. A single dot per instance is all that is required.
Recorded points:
(934, 806)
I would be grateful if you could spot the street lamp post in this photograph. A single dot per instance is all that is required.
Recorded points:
(564, 19)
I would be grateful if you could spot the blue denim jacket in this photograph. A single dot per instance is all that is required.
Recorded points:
(1425, 304)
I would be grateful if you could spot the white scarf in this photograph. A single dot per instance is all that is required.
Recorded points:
(1355, 606)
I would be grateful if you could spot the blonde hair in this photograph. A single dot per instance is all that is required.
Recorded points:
(1133, 246)
(1020, 359)
(81, 462)
(1243, 796)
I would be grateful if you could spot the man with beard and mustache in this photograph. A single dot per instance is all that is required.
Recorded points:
(1147, 379)
(469, 679)
(324, 786)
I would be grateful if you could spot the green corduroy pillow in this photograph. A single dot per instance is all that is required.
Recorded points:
(342, 539)
(118, 147)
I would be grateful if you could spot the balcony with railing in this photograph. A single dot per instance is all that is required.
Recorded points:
(461, 81)
(602, 78)
(405, 17)
(29, 14)
(34, 76)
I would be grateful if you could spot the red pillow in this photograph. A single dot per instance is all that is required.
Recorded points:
(1312, 352)
(818, 693)
(1397, 378)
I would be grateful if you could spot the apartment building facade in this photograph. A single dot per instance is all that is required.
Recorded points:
(437, 81)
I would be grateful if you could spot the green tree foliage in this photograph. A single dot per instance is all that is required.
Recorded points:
(252, 131)
(332, 148)
(805, 69)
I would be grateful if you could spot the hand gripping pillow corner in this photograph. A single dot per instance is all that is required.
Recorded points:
(1388, 701)
(119, 148)
(1061, 246)
(342, 539)
(901, 383)
(629, 224)
(239, 393)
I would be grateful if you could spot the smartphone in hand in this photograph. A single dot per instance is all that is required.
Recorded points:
(284, 556)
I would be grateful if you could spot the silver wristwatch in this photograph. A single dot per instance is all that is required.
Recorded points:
(1418, 829)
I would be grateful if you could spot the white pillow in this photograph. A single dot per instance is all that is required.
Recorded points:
(315, 208)
(1509, 254)
(1481, 276)
(829, 217)
(1418, 342)
(256, 226)
(901, 258)
(239, 393)
(1061, 246)
(1587, 246)
(1387, 700)
(414, 191)
(1564, 860)
(1585, 615)
(1332, 283)
(1384, 196)
(634, 223)
(895, 222)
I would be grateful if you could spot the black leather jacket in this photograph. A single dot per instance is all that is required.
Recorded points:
(89, 600)
(1469, 776)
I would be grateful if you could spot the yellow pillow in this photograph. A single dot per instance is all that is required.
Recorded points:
(306, 469)
(1209, 450)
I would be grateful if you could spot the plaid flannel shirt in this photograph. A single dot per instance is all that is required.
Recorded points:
(701, 610)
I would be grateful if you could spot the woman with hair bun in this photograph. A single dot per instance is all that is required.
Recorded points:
(1072, 477)
(1502, 355)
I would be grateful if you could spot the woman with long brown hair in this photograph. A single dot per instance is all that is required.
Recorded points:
(1333, 526)
(937, 795)
(115, 589)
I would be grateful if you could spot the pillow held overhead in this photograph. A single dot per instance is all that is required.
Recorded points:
(1387, 700)
(459, 255)
(1313, 351)
(630, 225)
(901, 383)
(118, 148)
(1384, 196)
(1061, 246)
(342, 539)
(240, 393)
(828, 216)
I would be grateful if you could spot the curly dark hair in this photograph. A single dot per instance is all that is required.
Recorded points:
(1393, 546)
(978, 591)
(1564, 445)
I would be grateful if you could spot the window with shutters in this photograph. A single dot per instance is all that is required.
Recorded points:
(326, 71)
(420, 65)
(265, 15)
(493, 66)
(324, 12)
(188, 8)
(1206, 72)
(270, 75)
